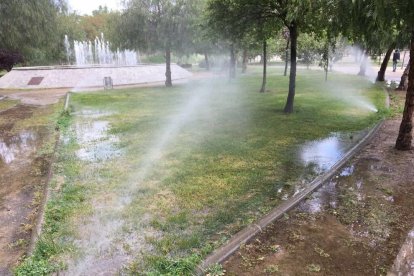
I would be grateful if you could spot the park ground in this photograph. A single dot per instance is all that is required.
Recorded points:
(153, 179)
(26, 147)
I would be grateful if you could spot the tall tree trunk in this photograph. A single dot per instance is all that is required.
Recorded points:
(168, 80)
(402, 63)
(403, 86)
(326, 57)
(245, 60)
(232, 67)
(363, 65)
(263, 89)
(293, 30)
(381, 72)
(207, 61)
(286, 57)
(405, 135)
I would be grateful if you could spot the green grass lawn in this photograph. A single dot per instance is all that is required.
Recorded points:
(191, 166)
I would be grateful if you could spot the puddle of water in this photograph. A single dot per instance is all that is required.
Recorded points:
(404, 263)
(17, 146)
(347, 171)
(95, 142)
(321, 155)
(93, 114)
(392, 84)
(326, 196)
(92, 135)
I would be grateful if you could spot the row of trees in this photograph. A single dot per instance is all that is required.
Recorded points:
(32, 32)
(375, 25)
(241, 27)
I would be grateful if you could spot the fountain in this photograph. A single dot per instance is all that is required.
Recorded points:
(99, 53)
(88, 64)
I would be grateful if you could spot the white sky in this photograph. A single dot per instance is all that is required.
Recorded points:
(87, 6)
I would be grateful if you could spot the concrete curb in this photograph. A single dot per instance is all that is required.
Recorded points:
(37, 229)
(224, 252)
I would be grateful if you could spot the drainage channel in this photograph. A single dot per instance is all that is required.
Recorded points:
(224, 252)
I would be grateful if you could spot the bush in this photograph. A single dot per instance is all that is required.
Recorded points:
(8, 59)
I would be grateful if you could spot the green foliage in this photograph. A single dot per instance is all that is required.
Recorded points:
(215, 270)
(172, 267)
(63, 120)
(157, 24)
(31, 267)
(30, 27)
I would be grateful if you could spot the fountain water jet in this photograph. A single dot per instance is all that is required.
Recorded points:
(99, 53)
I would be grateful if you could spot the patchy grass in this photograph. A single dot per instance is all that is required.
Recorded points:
(7, 104)
(199, 162)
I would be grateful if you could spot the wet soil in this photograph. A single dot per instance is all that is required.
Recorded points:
(23, 173)
(35, 97)
(356, 224)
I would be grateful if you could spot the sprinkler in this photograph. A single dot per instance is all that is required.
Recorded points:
(67, 99)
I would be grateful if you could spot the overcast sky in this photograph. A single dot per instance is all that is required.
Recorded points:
(87, 6)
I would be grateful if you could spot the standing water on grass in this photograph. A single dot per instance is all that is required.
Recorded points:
(323, 154)
(101, 234)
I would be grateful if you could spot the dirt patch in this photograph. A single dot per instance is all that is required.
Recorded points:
(354, 225)
(23, 173)
(35, 97)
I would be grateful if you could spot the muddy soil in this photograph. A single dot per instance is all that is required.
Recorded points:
(35, 97)
(356, 224)
(23, 173)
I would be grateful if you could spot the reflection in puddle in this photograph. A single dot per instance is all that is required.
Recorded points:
(348, 171)
(92, 136)
(391, 84)
(404, 263)
(326, 152)
(93, 114)
(17, 146)
(326, 196)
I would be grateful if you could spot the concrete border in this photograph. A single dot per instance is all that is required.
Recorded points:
(37, 229)
(242, 237)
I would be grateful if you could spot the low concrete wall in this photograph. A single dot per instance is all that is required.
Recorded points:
(91, 76)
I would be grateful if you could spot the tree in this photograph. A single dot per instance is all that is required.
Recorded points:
(158, 25)
(404, 139)
(231, 18)
(224, 25)
(403, 86)
(9, 59)
(30, 28)
(402, 15)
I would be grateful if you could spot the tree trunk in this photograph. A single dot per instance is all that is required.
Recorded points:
(403, 86)
(207, 61)
(168, 80)
(245, 60)
(405, 136)
(286, 57)
(402, 63)
(326, 67)
(363, 65)
(232, 66)
(263, 89)
(381, 72)
(293, 29)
